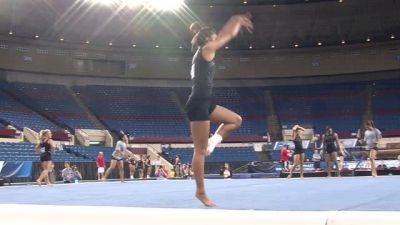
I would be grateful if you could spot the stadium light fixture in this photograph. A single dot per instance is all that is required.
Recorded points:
(36, 35)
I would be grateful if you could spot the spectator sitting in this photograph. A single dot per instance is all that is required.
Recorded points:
(161, 172)
(316, 158)
(382, 166)
(226, 171)
(77, 176)
(67, 173)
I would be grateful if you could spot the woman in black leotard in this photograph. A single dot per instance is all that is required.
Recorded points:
(331, 144)
(45, 147)
(199, 108)
(298, 150)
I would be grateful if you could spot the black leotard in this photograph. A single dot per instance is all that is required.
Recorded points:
(199, 105)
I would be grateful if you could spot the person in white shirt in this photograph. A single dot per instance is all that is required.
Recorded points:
(371, 139)
(117, 158)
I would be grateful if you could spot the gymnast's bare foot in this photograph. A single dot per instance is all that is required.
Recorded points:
(38, 182)
(204, 199)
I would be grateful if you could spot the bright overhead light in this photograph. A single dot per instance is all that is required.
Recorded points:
(10, 33)
(272, 46)
(368, 39)
(319, 43)
(392, 36)
(343, 42)
(87, 42)
(245, 2)
(134, 46)
(61, 39)
(36, 35)
(157, 46)
(250, 47)
(226, 47)
(296, 45)
(161, 5)
(110, 44)
(180, 46)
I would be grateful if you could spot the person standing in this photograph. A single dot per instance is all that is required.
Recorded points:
(298, 158)
(45, 147)
(100, 165)
(285, 158)
(342, 154)
(372, 135)
(331, 144)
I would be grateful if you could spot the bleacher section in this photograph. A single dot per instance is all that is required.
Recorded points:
(20, 116)
(54, 101)
(90, 152)
(26, 152)
(317, 106)
(141, 111)
(220, 154)
(386, 107)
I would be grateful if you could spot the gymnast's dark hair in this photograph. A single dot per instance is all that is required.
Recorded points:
(201, 33)
(370, 123)
(121, 135)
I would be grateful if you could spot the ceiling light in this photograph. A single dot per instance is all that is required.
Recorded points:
(250, 47)
(368, 39)
(296, 45)
(10, 33)
(392, 36)
(110, 44)
(272, 46)
(134, 46)
(244, 2)
(157, 46)
(319, 43)
(226, 47)
(162, 5)
(343, 42)
(87, 42)
(36, 36)
(61, 39)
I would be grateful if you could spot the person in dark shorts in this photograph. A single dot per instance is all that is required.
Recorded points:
(200, 108)
(45, 147)
(372, 135)
(331, 144)
(120, 153)
(298, 155)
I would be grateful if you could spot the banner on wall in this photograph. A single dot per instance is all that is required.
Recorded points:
(16, 169)
(1, 165)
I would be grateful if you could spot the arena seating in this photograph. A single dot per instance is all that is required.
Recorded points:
(386, 103)
(20, 116)
(337, 105)
(89, 153)
(141, 111)
(54, 101)
(220, 154)
(26, 152)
